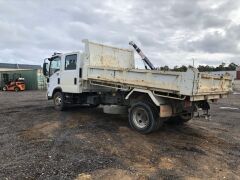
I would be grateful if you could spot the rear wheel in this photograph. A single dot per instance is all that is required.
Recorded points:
(186, 117)
(16, 89)
(181, 119)
(58, 100)
(144, 117)
(4, 88)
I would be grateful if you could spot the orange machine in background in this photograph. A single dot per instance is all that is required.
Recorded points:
(17, 84)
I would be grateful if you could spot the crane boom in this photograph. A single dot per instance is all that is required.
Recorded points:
(143, 56)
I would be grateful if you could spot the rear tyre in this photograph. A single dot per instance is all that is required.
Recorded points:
(181, 119)
(16, 89)
(143, 117)
(186, 117)
(58, 100)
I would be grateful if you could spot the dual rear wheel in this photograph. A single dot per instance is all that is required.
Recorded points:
(144, 117)
(181, 119)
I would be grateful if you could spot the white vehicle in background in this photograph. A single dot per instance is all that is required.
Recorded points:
(105, 75)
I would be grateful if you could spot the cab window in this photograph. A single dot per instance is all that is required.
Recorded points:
(71, 62)
(55, 65)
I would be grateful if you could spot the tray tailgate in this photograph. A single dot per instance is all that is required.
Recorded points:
(211, 84)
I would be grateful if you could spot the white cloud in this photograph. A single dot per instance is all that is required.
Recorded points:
(169, 32)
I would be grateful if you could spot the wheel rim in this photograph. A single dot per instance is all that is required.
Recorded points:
(4, 88)
(58, 101)
(140, 117)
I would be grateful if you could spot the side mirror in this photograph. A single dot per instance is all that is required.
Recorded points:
(45, 69)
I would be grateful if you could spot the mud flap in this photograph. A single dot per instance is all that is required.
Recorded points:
(165, 111)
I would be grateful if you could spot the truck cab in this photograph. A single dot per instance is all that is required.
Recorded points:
(63, 73)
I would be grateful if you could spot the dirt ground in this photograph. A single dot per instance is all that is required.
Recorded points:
(37, 142)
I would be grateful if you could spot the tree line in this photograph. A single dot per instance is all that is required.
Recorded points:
(222, 67)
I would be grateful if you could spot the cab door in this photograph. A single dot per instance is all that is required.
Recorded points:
(54, 75)
(70, 73)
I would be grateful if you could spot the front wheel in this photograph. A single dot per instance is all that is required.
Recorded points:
(4, 88)
(16, 89)
(144, 117)
(58, 100)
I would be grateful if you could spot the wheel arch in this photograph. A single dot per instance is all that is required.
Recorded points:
(57, 89)
(143, 92)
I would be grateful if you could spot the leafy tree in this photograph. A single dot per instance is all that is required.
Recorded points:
(164, 68)
(232, 66)
(202, 68)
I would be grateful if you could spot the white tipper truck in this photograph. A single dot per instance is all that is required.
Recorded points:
(105, 75)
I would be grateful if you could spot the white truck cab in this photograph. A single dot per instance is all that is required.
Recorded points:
(64, 73)
(106, 75)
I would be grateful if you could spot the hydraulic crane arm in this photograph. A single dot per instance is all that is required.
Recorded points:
(144, 58)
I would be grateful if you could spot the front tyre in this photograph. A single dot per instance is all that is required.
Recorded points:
(16, 89)
(143, 117)
(58, 100)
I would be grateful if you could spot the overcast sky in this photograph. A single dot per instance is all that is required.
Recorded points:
(169, 32)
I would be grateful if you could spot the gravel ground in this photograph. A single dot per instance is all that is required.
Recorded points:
(38, 142)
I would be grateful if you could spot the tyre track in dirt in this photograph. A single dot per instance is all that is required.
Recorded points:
(38, 142)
